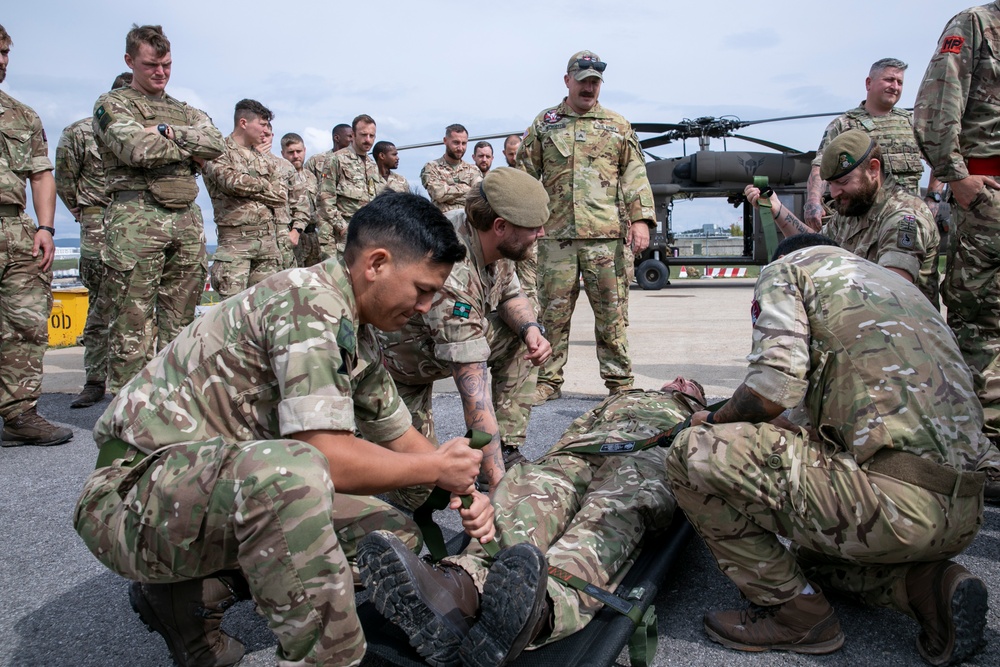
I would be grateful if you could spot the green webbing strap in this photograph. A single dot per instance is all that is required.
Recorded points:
(766, 215)
(642, 643)
(629, 446)
(438, 500)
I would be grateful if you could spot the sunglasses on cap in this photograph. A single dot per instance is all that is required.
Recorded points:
(589, 63)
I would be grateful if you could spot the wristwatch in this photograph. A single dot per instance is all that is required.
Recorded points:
(162, 128)
(933, 196)
(527, 325)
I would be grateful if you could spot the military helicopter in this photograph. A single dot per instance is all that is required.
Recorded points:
(709, 174)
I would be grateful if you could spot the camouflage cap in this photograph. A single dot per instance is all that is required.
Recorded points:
(573, 66)
(844, 153)
(516, 197)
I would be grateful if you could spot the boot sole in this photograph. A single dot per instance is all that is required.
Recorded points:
(514, 589)
(818, 648)
(389, 581)
(968, 608)
(7, 442)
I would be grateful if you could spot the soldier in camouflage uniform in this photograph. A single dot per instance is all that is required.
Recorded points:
(448, 178)
(874, 218)
(955, 123)
(875, 489)
(345, 181)
(293, 149)
(247, 190)
(588, 514)
(292, 219)
(80, 185)
(152, 147)
(589, 160)
(26, 254)
(225, 452)
(892, 128)
(480, 320)
(387, 158)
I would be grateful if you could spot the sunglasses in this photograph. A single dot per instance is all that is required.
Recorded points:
(590, 63)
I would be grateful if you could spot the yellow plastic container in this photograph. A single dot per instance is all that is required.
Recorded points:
(69, 314)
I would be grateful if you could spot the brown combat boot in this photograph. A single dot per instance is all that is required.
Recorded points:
(188, 615)
(435, 605)
(93, 392)
(991, 490)
(30, 428)
(516, 610)
(804, 624)
(511, 456)
(950, 605)
(545, 392)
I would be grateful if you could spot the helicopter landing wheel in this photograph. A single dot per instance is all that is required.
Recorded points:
(652, 274)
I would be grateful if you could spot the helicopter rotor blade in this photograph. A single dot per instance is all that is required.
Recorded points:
(438, 142)
(769, 144)
(745, 123)
(656, 127)
(657, 141)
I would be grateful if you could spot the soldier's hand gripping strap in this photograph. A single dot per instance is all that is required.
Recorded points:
(423, 516)
(766, 215)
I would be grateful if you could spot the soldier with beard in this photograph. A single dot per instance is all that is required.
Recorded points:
(874, 218)
(481, 319)
(448, 178)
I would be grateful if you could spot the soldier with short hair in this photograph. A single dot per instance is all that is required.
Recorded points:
(480, 329)
(238, 445)
(293, 149)
(343, 136)
(345, 182)
(152, 148)
(246, 196)
(80, 185)
(874, 217)
(482, 155)
(387, 158)
(26, 254)
(876, 485)
(589, 160)
(890, 126)
(292, 219)
(583, 513)
(955, 124)
(448, 178)
(510, 146)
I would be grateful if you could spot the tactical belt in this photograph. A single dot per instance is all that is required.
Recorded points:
(984, 166)
(262, 229)
(92, 210)
(10, 210)
(115, 449)
(926, 474)
(128, 195)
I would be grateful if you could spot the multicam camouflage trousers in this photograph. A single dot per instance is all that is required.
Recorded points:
(286, 248)
(587, 513)
(25, 304)
(244, 257)
(601, 264)
(156, 263)
(267, 508)
(95, 331)
(741, 485)
(971, 292)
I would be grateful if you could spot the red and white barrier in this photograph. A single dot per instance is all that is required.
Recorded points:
(731, 272)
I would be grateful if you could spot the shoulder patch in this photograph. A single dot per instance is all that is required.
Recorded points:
(347, 340)
(462, 310)
(906, 236)
(552, 116)
(103, 117)
(754, 311)
(952, 44)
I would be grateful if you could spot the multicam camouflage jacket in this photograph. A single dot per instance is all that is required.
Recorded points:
(24, 149)
(79, 173)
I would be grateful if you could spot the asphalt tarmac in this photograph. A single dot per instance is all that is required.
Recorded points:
(59, 606)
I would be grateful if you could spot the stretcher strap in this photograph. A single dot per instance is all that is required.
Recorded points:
(766, 215)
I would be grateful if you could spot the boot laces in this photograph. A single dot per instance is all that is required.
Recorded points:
(754, 612)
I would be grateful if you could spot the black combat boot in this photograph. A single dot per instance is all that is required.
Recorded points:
(93, 392)
(515, 608)
(950, 604)
(435, 605)
(188, 615)
(30, 428)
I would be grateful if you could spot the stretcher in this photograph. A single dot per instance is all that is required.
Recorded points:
(597, 645)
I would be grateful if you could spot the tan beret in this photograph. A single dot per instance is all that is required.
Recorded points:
(516, 197)
(844, 153)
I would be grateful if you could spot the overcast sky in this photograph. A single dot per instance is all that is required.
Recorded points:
(419, 66)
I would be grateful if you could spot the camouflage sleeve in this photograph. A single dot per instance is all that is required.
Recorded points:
(905, 239)
(634, 184)
(832, 130)
(444, 189)
(529, 153)
(779, 358)
(326, 192)
(201, 138)
(456, 319)
(231, 177)
(942, 97)
(115, 128)
(380, 412)
(298, 200)
(69, 163)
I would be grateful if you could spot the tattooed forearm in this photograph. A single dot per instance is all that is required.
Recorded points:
(477, 404)
(789, 224)
(746, 405)
(516, 312)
